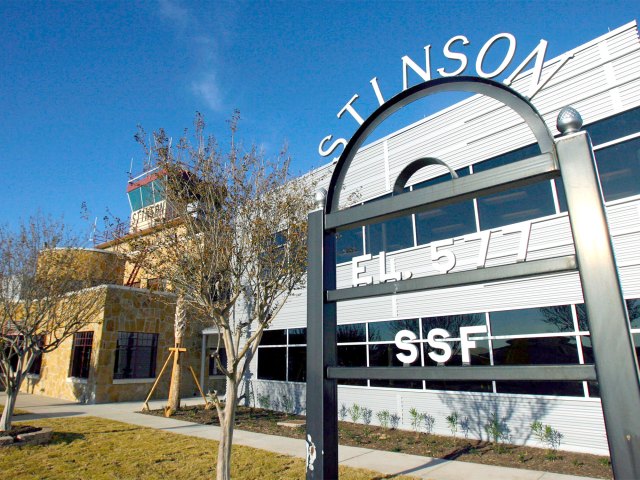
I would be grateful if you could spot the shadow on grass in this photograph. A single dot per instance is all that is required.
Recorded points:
(59, 438)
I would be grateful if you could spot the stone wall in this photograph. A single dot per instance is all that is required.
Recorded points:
(124, 309)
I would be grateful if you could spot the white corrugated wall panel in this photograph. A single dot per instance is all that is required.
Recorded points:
(474, 130)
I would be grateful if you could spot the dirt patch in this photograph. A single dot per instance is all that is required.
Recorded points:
(438, 446)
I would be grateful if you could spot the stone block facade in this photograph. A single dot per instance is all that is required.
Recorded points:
(123, 309)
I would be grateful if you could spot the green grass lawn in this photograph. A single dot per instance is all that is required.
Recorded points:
(89, 447)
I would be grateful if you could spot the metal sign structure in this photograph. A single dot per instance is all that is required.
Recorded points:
(570, 156)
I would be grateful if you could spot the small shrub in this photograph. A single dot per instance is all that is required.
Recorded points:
(416, 419)
(549, 436)
(287, 404)
(383, 418)
(367, 413)
(577, 463)
(605, 462)
(429, 423)
(522, 457)
(264, 401)
(343, 412)
(465, 425)
(497, 432)
(394, 420)
(452, 421)
(355, 412)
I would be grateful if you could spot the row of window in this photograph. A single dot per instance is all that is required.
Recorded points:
(554, 335)
(135, 355)
(152, 192)
(618, 167)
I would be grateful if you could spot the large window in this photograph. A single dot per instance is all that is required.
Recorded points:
(135, 355)
(81, 354)
(518, 204)
(445, 222)
(619, 169)
(282, 355)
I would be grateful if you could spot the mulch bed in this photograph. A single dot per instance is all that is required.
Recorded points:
(466, 450)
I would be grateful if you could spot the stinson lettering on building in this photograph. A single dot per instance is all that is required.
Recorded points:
(454, 49)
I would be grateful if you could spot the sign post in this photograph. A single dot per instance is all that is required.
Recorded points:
(571, 157)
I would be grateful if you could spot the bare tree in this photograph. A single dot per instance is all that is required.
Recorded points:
(44, 298)
(237, 249)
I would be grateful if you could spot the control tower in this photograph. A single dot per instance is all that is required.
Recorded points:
(147, 200)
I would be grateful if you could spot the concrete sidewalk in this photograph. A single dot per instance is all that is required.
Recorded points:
(388, 463)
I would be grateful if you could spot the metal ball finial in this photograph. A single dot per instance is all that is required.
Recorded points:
(569, 121)
(320, 198)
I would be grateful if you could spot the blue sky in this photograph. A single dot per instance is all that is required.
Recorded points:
(77, 77)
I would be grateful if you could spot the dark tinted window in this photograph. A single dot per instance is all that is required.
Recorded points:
(445, 222)
(274, 337)
(619, 169)
(385, 356)
(297, 364)
(136, 355)
(614, 127)
(354, 332)
(297, 336)
(452, 323)
(348, 245)
(535, 351)
(272, 363)
(633, 307)
(389, 236)
(352, 356)
(532, 320)
(516, 205)
(386, 331)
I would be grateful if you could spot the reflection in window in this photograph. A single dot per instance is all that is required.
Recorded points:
(354, 332)
(532, 320)
(348, 245)
(614, 127)
(389, 236)
(516, 205)
(445, 222)
(619, 169)
(537, 351)
(136, 355)
(386, 331)
(384, 355)
(452, 323)
(352, 356)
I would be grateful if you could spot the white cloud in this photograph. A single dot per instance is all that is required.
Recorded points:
(206, 87)
(204, 43)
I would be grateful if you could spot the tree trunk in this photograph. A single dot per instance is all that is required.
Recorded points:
(223, 469)
(176, 372)
(9, 406)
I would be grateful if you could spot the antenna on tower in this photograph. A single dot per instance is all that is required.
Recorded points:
(92, 237)
(130, 172)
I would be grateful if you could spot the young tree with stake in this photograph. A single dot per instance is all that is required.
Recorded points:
(237, 249)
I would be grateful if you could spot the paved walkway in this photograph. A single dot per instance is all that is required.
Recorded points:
(388, 463)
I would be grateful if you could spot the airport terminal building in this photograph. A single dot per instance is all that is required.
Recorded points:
(534, 321)
(530, 321)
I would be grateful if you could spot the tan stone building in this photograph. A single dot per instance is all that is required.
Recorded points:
(118, 356)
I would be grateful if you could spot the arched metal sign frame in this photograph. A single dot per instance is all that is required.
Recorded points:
(569, 156)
